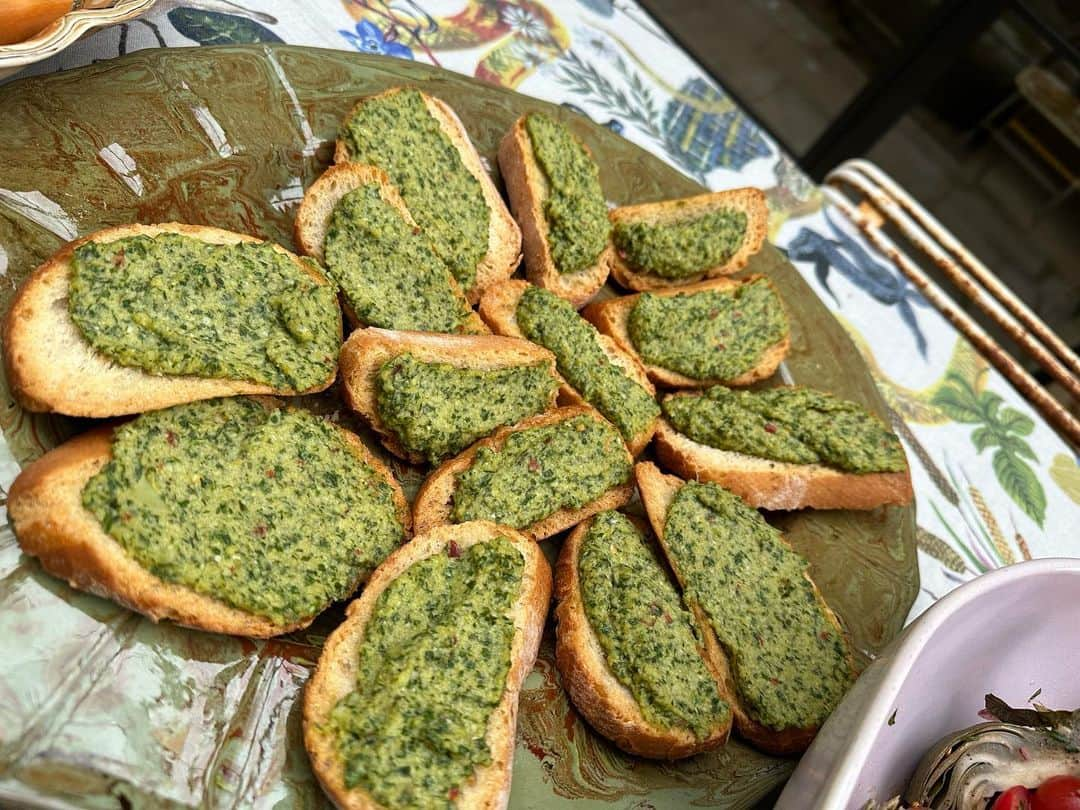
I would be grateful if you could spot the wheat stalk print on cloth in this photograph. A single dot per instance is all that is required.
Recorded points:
(993, 483)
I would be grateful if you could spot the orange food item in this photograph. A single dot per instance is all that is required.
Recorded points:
(22, 19)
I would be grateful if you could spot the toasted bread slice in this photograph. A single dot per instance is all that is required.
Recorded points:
(313, 220)
(608, 705)
(51, 367)
(50, 522)
(335, 677)
(657, 493)
(766, 484)
(504, 236)
(749, 200)
(498, 308)
(526, 187)
(366, 350)
(612, 317)
(433, 505)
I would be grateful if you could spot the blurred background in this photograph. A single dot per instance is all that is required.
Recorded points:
(976, 115)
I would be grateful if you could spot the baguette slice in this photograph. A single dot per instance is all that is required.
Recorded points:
(600, 697)
(612, 317)
(749, 200)
(366, 350)
(313, 220)
(51, 367)
(657, 492)
(335, 676)
(779, 485)
(433, 505)
(498, 308)
(45, 506)
(504, 236)
(526, 186)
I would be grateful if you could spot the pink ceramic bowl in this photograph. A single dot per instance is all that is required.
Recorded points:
(1011, 632)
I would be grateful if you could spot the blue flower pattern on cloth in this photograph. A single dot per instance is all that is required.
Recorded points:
(702, 141)
(367, 38)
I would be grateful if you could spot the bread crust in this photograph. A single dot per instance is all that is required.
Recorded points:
(51, 367)
(526, 187)
(498, 308)
(504, 236)
(313, 221)
(778, 485)
(612, 318)
(434, 502)
(657, 492)
(596, 693)
(50, 522)
(750, 200)
(335, 675)
(366, 350)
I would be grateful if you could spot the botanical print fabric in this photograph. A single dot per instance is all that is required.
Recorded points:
(994, 484)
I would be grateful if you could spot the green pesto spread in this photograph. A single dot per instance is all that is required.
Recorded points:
(574, 207)
(552, 322)
(172, 304)
(541, 470)
(436, 409)
(790, 664)
(387, 269)
(712, 334)
(649, 638)
(432, 667)
(267, 510)
(795, 425)
(682, 247)
(397, 133)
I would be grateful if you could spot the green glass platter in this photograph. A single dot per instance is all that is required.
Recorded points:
(100, 708)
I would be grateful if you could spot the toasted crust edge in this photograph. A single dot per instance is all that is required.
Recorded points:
(51, 524)
(76, 380)
(498, 308)
(657, 492)
(434, 502)
(313, 220)
(504, 236)
(749, 199)
(612, 318)
(526, 187)
(367, 350)
(595, 691)
(335, 674)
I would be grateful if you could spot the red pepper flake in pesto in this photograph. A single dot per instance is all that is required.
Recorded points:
(453, 793)
(453, 550)
(825, 635)
(713, 313)
(770, 427)
(170, 437)
(271, 473)
(260, 531)
(118, 259)
(774, 681)
(720, 347)
(736, 315)
(534, 465)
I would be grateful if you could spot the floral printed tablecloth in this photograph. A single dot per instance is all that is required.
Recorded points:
(994, 483)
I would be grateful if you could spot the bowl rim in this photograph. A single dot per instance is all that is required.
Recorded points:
(839, 787)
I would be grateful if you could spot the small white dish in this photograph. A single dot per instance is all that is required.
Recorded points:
(65, 31)
(1010, 632)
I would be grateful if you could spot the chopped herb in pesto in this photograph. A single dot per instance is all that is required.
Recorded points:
(387, 269)
(649, 638)
(541, 470)
(432, 668)
(574, 207)
(796, 425)
(789, 662)
(397, 133)
(267, 510)
(436, 409)
(552, 322)
(173, 304)
(712, 334)
(682, 247)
